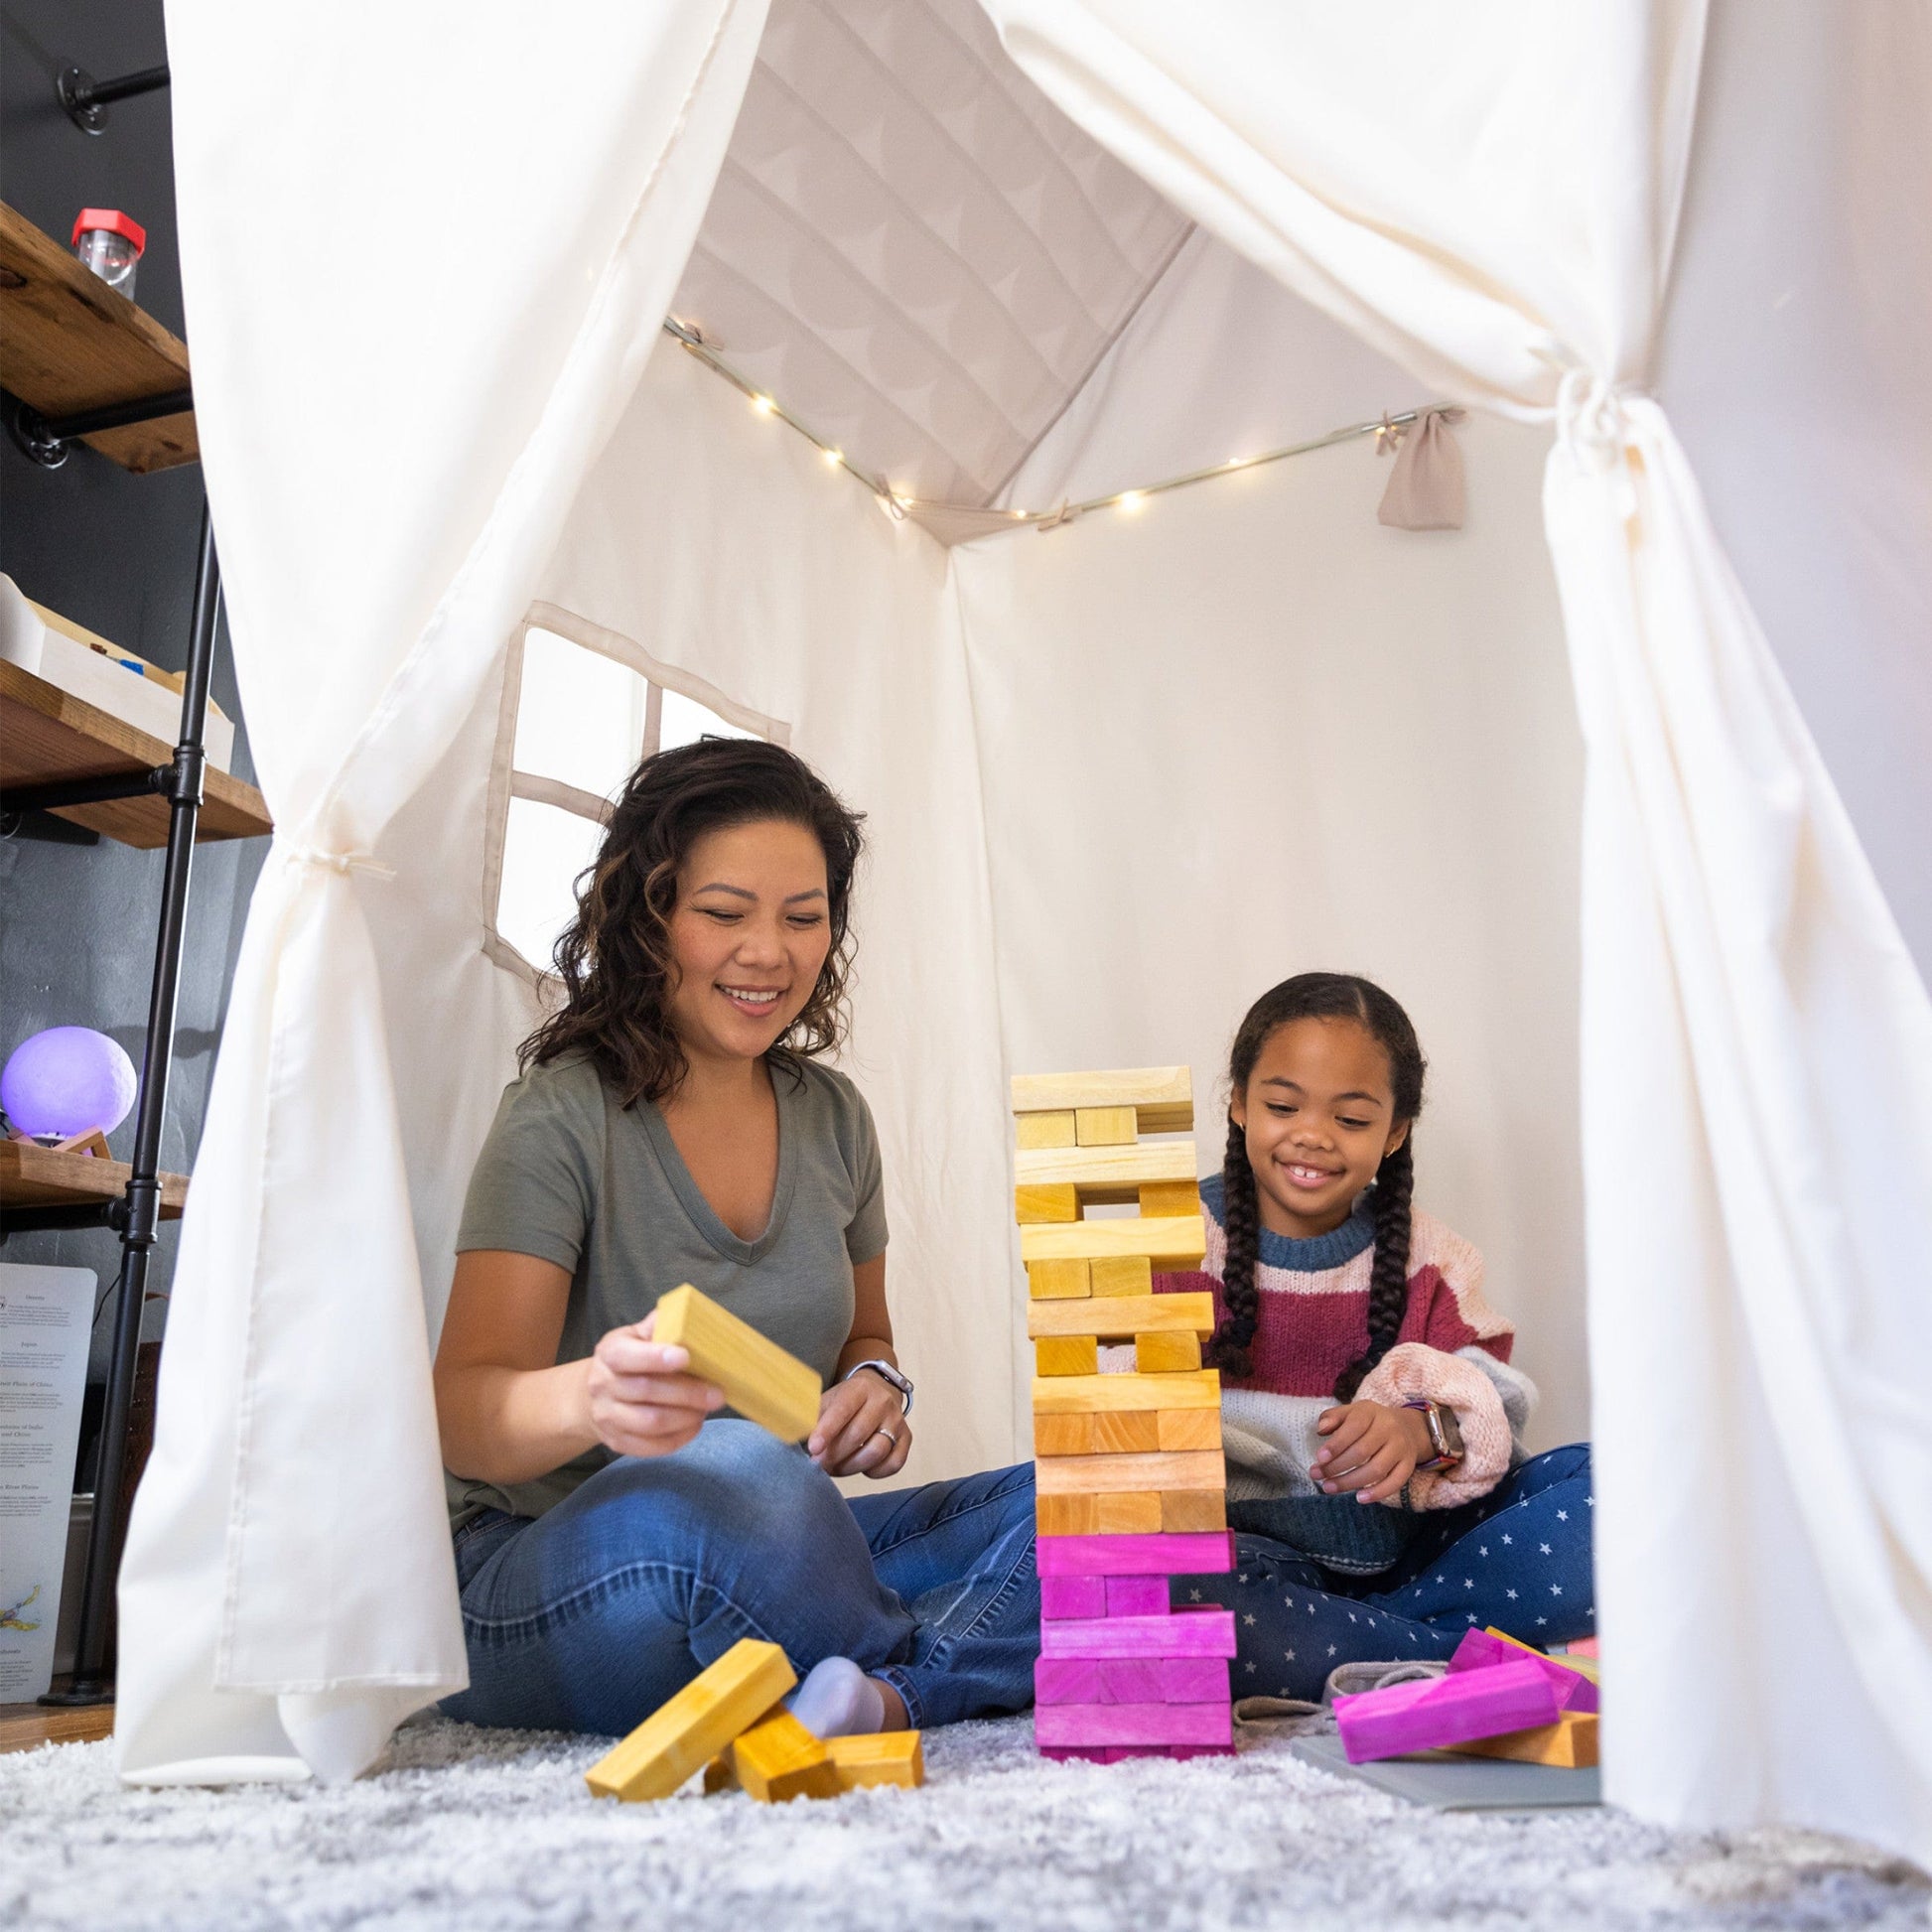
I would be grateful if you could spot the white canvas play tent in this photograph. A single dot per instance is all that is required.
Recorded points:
(1120, 773)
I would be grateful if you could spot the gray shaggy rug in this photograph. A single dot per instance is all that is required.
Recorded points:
(488, 1830)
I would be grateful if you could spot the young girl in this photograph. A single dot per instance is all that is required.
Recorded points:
(1372, 1421)
(613, 1534)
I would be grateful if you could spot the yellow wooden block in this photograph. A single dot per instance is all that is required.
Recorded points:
(1120, 1274)
(1111, 1173)
(1190, 1510)
(781, 1760)
(1065, 1354)
(1162, 1097)
(1099, 1126)
(719, 1775)
(1059, 1281)
(1171, 1243)
(1187, 1429)
(1034, 1207)
(695, 1725)
(1164, 1354)
(1164, 1200)
(1128, 1513)
(1073, 1434)
(759, 1380)
(886, 1757)
(1044, 1130)
(1570, 1742)
(1092, 1475)
(1124, 1316)
(1125, 1432)
(1583, 1666)
(1074, 1395)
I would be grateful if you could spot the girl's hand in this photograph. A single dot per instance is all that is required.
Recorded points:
(1371, 1450)
(854, 1420)
(642, 1401)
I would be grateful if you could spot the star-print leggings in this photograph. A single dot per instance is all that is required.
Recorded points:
(1518, 1558)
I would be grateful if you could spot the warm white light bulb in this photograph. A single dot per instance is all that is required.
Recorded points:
(833, 458)
(763, 405)
(1129, 500)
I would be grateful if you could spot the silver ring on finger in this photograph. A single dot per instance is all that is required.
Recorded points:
(889, 1436)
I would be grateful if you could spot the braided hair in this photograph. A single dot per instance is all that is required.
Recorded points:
(1322, 995)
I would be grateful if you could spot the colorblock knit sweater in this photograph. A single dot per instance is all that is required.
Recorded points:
(1312, 1322)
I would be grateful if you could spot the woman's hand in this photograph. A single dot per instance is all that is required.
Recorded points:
(1371, 1448)
(642, 1401)
(855, 1419)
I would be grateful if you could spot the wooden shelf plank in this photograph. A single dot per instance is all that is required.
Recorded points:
(67, 343)
(46, 734)
(35, 1177)
(27, 1726)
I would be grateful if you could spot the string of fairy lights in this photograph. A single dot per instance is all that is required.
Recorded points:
(900, 504)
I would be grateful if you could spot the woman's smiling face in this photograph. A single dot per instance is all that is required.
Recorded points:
(1318, 1114)
(749, 938)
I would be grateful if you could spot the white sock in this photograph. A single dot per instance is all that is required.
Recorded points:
(838, 1700)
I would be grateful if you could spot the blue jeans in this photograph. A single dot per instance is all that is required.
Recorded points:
(1518, 1558)
(590, 1616)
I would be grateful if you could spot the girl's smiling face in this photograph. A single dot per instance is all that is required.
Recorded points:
(1318, 1115)
(750, 933)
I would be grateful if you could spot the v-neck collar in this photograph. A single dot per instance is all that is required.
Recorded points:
(702, 1216)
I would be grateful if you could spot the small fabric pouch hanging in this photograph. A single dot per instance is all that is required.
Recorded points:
(1425, 489)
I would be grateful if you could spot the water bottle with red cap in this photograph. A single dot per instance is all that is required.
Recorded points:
(110, 244)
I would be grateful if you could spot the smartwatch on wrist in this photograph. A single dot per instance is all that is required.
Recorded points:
(886, 1373)
(1444, 1434)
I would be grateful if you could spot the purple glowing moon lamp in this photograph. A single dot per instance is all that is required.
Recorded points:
(65, 1081)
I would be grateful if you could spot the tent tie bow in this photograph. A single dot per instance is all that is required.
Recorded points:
(342, 862)
(1591, 418)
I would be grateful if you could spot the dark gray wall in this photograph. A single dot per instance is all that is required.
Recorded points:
(115, 552)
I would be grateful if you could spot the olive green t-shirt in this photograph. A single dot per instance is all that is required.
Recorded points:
(571, 1176)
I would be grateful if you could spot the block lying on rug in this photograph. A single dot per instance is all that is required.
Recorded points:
(1570, 1743)
(1443, 1711)
(718, 1703)
(1488, 1650)
(870, 1758)
(779, 1759)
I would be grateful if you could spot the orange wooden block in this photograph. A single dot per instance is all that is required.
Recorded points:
(719, 1774)
(1130, 1513)
(1066, 1515)
(1164, 1354)
(1187, 1429)
(1114, 1275)
(1164, 1199)
(1059, 1281)
(1046, 1202)
(1125, 1432)
(1063, 1434)
(1570, 1742)
(1066, 1355)
(781, 1760)
(1184, 1510)
(888, 1758)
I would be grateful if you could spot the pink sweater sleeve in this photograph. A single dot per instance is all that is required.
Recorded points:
(1413, 1371)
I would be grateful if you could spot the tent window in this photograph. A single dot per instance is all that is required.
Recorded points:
(581, 706)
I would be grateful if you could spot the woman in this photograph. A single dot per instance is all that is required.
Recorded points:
(615, 1534)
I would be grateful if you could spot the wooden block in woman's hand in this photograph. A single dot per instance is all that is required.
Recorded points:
(759, 1380)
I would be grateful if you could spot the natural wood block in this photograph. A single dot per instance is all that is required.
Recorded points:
(1187, 1429)
(1124, 1316)
(883, 1757)
(1171, 1243)
(1570, 1742)
(759, 1380)
(1165, 1354)
(1116, 1275)
(1111, 1173)
(1128, 1513)
(1162, 1097)
(1159, 1199)
(1101, 1126)
(1134, 1556)
(1125, 1432)
(1067, 1395)
(1130, 1596)
(1186, 1633)
(1069, 1476)
(1190, 1511)
(1071, 1435)
(1041, 1205)
(1064, 1516)
(692, 1728)
(1064, 1725)
(719, 1775)
(1059, 1281)
(1065, 1354)
(1044, 1130)
(781, 1760)
(1062, 1597)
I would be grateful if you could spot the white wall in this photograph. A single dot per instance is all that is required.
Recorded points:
(1245, 732)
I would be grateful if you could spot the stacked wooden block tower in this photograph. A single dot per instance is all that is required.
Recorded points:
(1131, 1480)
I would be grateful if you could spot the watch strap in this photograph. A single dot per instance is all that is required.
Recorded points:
(886, 1373)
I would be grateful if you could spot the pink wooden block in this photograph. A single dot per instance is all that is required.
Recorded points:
(1191, 1633)
(1062, 1597)
(1583, 1647)
(1067, 1679)
(1478, 1650)
(1135, 1596)
(1115, 1753)
(1129, 1680)
(1189, 1553)
(1446, 1711)
(1067, 1724)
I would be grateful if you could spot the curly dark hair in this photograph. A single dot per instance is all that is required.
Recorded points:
(615, 957)
(1323, 996)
